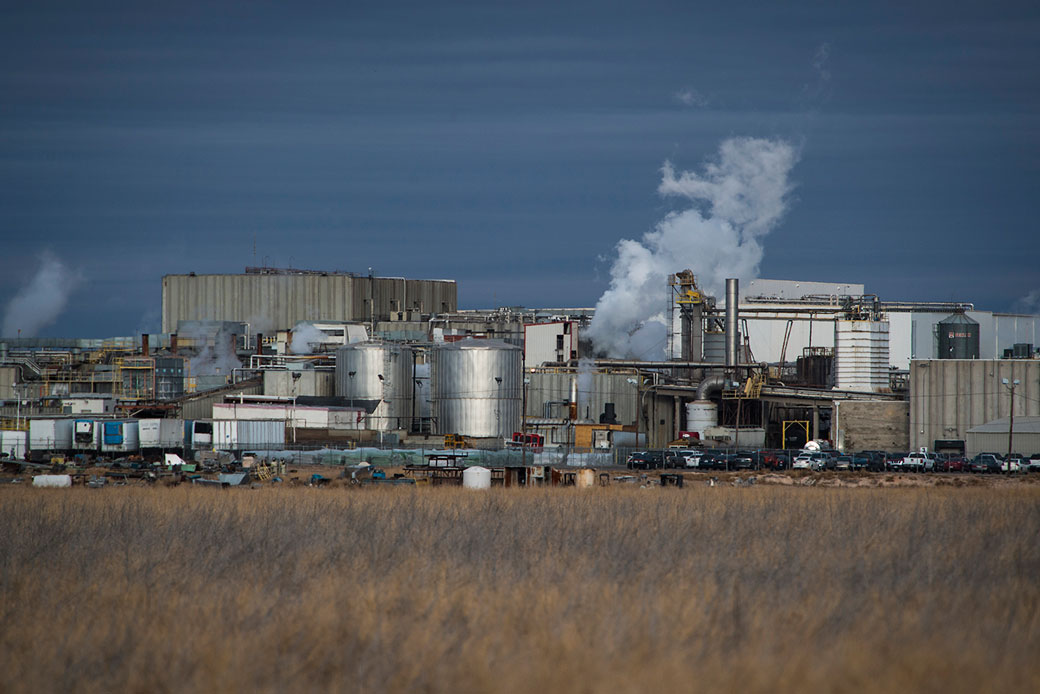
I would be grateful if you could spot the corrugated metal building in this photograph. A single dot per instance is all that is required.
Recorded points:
(950, 396)
(992, 437)
(281, 299)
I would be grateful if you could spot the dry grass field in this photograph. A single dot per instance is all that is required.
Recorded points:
(542, 590)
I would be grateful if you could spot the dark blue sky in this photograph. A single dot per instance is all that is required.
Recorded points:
(509, 149)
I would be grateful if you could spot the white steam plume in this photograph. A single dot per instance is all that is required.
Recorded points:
(1030, 303)
(216, 359)
(40, 302)
(735, 201)
(306, 339)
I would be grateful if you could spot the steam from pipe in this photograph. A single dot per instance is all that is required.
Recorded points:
(40, 302)
(306, 339)
(736, 200)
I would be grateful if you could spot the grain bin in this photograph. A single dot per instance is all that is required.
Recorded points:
(861, 355)
(378, 377)
(477, 388)
(958, 337)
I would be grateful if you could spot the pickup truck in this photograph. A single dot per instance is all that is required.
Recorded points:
(918, 462)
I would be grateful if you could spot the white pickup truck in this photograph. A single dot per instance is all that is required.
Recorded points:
(921, 461)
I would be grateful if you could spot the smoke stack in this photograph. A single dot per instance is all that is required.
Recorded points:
(732, 299)
(173, 343)
(574, 398)
(144, 345)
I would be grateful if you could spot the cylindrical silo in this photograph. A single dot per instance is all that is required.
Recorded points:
(958, 337)
(378, 377)
(477, 388)
(700, 415)
(861, 355)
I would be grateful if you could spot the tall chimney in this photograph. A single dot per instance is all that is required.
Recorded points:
(144, 344)
(732, 299)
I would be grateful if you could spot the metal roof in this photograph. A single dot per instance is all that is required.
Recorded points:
(1023, 425)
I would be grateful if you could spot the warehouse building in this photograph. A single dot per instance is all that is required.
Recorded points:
(279, 299)
(994, 437)
(948, 397)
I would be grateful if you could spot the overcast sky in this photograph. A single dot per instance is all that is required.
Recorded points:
(509, 149)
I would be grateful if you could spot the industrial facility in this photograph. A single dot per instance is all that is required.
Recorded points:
(284, 358)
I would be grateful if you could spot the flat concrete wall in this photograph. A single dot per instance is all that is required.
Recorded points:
(950, 396)
(872, 425)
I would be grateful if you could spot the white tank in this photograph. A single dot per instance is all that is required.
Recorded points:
(476, 477)
(701, 415)
(861, 355)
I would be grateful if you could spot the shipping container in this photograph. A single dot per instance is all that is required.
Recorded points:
(248, 435)
(121, 436)
(161, 434)
(50, 435)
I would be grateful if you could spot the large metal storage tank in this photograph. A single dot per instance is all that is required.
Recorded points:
(958, 337)
(378, 377)
(477, 388)
(861, 355)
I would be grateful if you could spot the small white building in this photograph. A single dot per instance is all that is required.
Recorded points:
(88, 403)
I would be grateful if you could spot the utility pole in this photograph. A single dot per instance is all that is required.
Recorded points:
(1011, 420)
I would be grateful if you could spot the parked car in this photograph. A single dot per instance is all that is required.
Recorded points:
(639, 460)
(955, 463)
(803, 461)
(776, 460)
(673, 458)
(1012, 464)
(860, 462)
(691, 457)
(985, 463)
(843, 462)
(1034, 462)
(744, 460)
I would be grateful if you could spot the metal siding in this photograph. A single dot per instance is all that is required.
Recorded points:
(950, 396)
(281, 301)
(466, 397)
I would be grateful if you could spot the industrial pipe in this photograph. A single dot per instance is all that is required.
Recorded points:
(732, 297)
(717, 382)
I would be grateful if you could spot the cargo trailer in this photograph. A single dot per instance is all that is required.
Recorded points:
(248, 435)
(120, 436)
(13, 444)
(50, 436)
(158, 435)
(86, 435)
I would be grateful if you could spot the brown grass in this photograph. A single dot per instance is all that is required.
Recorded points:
(606, 590)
